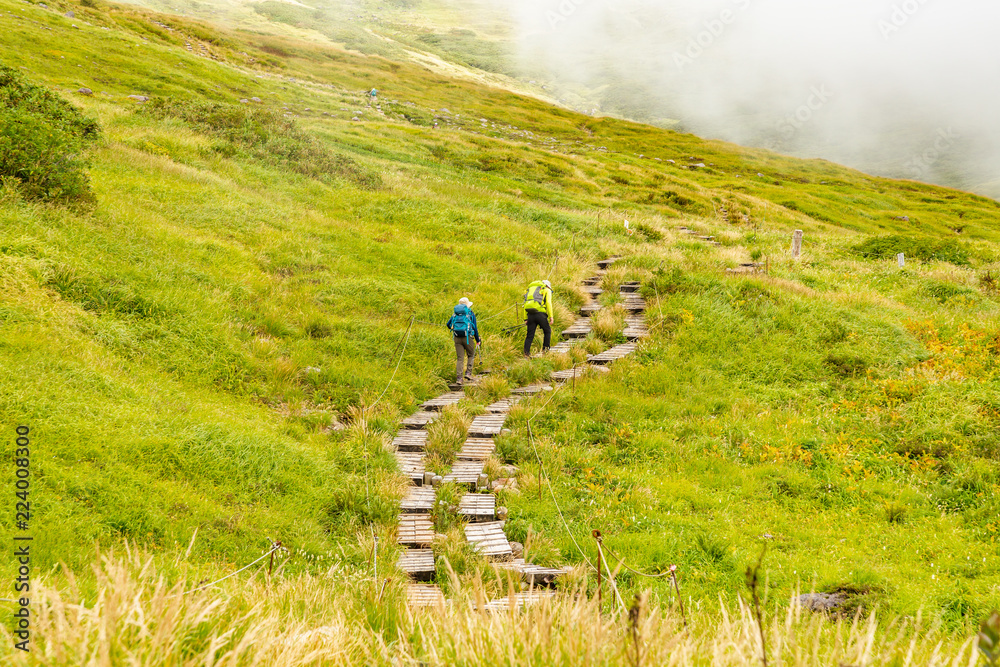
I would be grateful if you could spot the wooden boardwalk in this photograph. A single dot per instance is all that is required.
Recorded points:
(533, 575)
(532, 389)
(578, 372)
(418, 564)
(477, 449)
(410, 441)
(411, 464)
(488, 539)
(614, 354)
(465, 472)
(487, 426)
(415, 531)
(443, 401)
(504, 405)
(518, 601)
(418, 500)
(423, 597)
(420, 419)
(483, 532)
(581, 329)
(478, 507)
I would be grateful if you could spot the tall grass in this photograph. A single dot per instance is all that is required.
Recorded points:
(136, 614)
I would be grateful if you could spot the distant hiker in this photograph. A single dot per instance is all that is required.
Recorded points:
(538, 313)
(464, 329)
(372, 96)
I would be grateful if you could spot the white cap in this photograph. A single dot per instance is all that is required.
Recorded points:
(547, 284)
(465, 302)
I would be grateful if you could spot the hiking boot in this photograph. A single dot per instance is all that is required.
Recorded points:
(470, 377)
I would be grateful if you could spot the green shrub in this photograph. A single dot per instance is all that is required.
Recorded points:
(42, 139)
(944, 292)
(913, 247)
(264, 135)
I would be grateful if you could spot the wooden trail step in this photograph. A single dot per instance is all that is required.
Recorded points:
(411, 464)
(593, 280)
(489, 540)
(478, 507)
(635, 333)
(418, 564)
(581, 329)
(614, 354)
(578, 372)
(519, 601)
(477, 449)
(422, 596)
(605, 263)
(592, 290)
(465, 472)
(504, 405)
(420, 419)
(443, 401)
(590, 309)
(533, 575)
(532, 389)
(487, 426)
(634, 304)
(418, 500)
(415, 531)
(563, 347)
(629, 288)
(410, 441)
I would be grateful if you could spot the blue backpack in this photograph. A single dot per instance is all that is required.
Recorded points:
(461, 323)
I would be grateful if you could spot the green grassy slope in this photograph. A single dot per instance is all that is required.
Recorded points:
(186, 352)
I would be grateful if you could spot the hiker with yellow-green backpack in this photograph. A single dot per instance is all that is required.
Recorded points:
(538, 313)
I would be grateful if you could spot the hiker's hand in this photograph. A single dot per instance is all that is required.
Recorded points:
(551, 321)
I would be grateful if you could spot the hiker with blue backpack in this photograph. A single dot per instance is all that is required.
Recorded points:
(464, 330)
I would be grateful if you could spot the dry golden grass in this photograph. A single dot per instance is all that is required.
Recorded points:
(135, 617)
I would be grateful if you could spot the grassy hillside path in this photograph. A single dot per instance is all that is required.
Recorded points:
(484, 529)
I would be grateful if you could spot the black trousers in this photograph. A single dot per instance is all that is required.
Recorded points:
(538, 319)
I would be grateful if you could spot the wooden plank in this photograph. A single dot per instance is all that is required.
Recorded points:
(415, 531)
(420, 419)
(629, 287)
(488, 539)
(590, 309)
(579, 372)
(519, 601)
(477, 449)
(418, 500)
(488, 425)
(465, 472)
(411, 464)
(592, 290)
(410, 441)
(443, 401)
(424, 596)
(417, 564)
(532, 389)
(580, 329)
(605, 263)
(478, 507)
(614, 354)
(563, 347)
(533, 575)
(504, 405)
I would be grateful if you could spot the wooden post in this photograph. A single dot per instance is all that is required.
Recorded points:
(797, 244)
(597, 536)
(901, 258)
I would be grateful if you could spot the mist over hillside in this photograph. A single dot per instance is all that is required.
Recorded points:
(896, 88)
